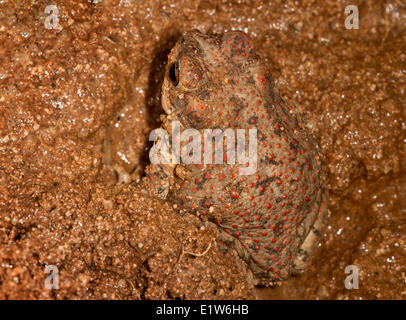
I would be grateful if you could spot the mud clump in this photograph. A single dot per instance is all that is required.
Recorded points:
(116, 244)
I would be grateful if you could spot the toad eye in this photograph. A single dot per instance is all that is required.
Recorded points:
(174, 73)
(185, 73)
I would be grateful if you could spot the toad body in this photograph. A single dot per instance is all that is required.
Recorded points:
(270, 217)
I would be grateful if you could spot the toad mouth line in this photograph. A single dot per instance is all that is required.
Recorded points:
(186, 147)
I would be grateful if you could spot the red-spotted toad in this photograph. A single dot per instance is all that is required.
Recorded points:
(272, 217)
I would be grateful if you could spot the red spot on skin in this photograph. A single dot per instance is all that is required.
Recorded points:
(234, 194)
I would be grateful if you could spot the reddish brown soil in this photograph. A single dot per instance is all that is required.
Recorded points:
(77, 105)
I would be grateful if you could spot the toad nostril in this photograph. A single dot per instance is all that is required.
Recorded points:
(174, 73)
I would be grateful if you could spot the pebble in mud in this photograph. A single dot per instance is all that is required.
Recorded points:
(272, 217)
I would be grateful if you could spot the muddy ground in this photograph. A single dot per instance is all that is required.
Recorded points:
(78, 101)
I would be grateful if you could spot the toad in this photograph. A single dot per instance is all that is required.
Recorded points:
(269, 218)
